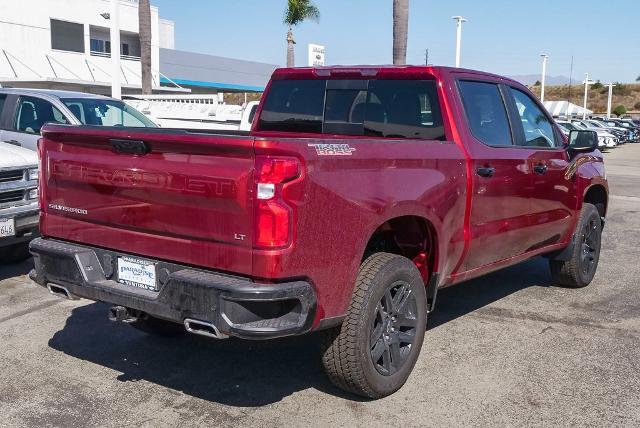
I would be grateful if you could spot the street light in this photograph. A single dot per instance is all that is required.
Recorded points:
(459, 20)
(587, 82)
(114, 35)
(544, 75)
(610, 85)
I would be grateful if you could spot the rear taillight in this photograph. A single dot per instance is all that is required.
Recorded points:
(273, 216)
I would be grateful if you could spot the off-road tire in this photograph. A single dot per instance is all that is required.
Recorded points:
(347, 352)
(579, 270)
(158, 327)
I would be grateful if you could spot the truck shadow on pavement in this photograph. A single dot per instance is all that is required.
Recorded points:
(15, 269)
(250, 373)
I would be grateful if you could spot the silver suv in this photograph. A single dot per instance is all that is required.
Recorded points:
(23, 112)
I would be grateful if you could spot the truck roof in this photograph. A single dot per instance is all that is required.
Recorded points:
(364, 71)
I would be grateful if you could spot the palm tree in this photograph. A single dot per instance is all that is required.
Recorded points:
(400, 30)
(144, 33)
(297, 11)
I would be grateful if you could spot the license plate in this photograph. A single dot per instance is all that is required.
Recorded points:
(7, 227)
(137, 272)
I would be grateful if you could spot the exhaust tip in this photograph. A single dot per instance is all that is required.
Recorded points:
(60, 291)
(203, 328)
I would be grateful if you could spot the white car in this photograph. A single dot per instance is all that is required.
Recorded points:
(19, 210)
(605, 139)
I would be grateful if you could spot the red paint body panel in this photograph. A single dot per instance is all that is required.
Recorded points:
(191, 199)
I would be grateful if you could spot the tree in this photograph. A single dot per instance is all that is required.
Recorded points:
(400, 31)
(619, 110)
(597, 85)
(297, 12)
(537, 83)
(144, 33)
(638, 79)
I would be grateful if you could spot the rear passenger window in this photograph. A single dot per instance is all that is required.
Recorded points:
(379, 108)
(486, 113)
(34, 112)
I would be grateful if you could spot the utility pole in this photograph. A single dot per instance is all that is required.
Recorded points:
(610, 85)
(544, 75)
(426, 57)
(459, 20)
(114, 16)
(587, 82)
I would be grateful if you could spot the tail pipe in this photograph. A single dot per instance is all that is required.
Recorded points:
(203, 328)
(60, 291)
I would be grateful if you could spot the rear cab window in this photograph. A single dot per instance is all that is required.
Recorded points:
(486, 112)
(376, 108)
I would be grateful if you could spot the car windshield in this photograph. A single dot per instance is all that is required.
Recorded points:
(106, 112)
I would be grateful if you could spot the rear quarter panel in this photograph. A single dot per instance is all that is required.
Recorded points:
(342, 200)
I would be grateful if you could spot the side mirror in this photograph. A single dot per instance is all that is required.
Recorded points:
(581, 141)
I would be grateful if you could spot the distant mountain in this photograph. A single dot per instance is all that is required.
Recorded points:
(530, 79)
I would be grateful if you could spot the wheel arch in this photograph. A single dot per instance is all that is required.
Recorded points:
(410, 235)
(597, 195)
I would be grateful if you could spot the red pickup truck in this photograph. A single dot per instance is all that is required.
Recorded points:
(358, 193)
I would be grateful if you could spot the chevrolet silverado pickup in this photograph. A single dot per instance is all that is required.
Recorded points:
(357, 194)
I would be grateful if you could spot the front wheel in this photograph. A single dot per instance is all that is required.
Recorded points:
(580, 269)
(375, 349)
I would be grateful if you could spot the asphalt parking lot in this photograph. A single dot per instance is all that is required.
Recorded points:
(507, 349)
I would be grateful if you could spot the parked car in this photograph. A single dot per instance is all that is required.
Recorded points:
(621, 123)
(605, 138)
(345, 209)
(629, 133)
(590, 123)
(18, 201)
(23, 112)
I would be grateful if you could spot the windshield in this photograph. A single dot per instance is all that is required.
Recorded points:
(596, 124)
(106, 112)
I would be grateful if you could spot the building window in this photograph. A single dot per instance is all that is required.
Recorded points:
(100, 46)
(67, 36)
(125, 49)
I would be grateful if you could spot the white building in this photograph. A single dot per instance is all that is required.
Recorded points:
(65, 44)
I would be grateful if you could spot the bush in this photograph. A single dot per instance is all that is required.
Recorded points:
(621, 89)
(619, 110)
(636, 106)
(597, 85)
(537, 83)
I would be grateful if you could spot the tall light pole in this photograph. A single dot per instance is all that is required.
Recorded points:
(610, 85)
(587, 82)
(544, 75)
(116, 80)
(459, 20)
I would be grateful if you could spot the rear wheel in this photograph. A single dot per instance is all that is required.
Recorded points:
(375, 349)
(580, 269)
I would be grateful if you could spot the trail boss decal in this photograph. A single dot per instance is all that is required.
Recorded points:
(333, 149)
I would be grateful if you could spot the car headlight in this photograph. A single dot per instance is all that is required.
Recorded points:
(33, 194)
(33, 174)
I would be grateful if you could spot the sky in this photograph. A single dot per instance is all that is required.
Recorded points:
(503, 37)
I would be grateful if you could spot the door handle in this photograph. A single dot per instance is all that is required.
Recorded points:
(540, 168)
(485, 171)
(14, 142)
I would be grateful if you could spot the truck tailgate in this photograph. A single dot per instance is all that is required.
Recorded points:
(164, 194)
